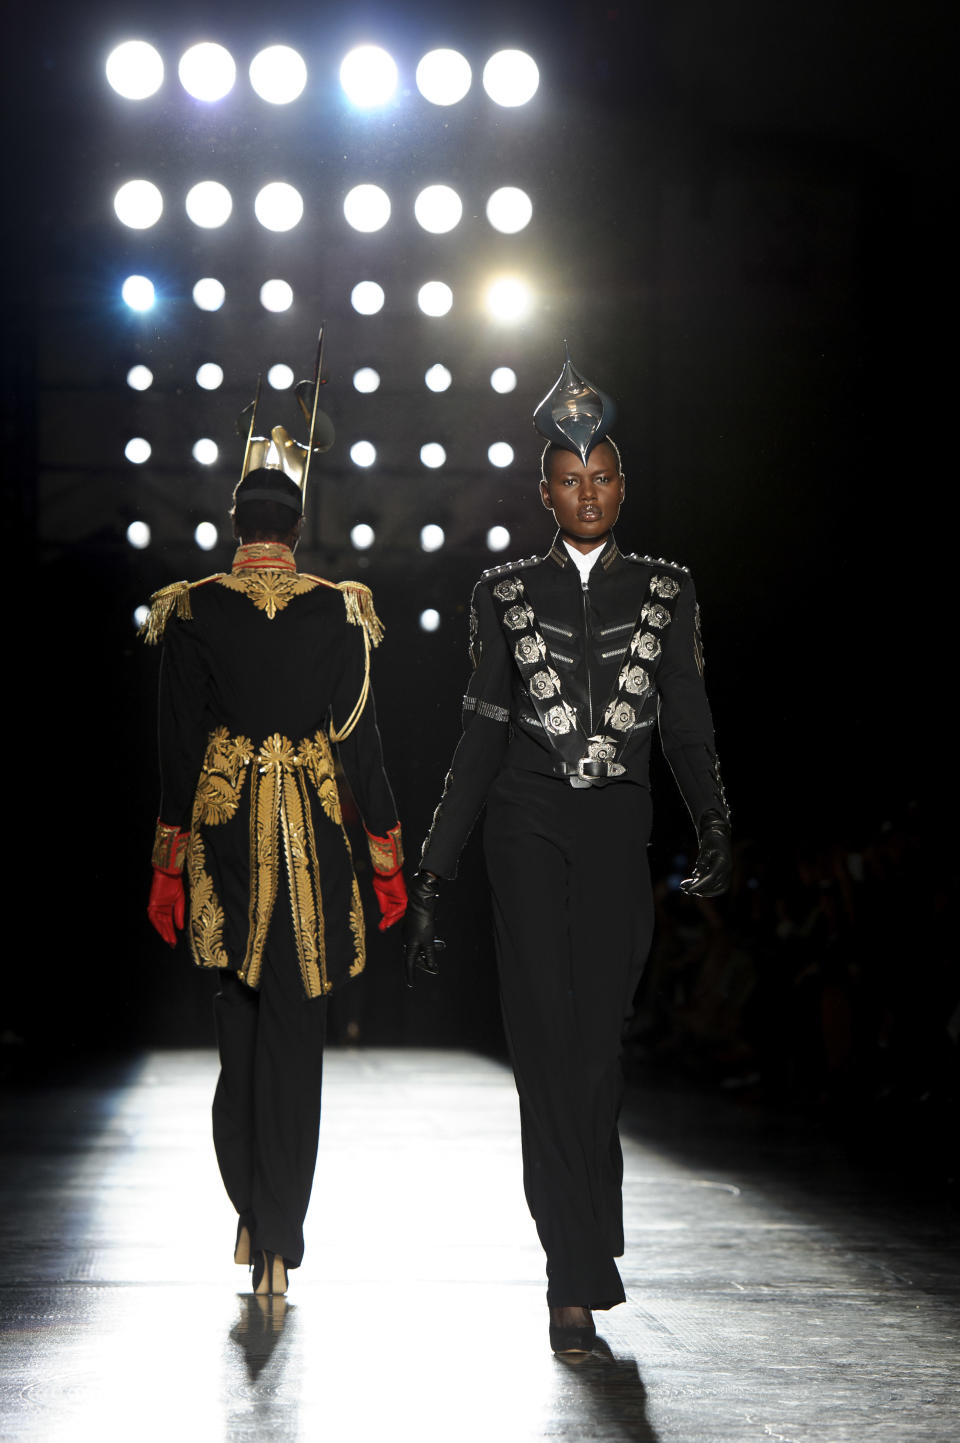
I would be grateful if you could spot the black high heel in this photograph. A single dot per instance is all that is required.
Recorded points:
(269, 1274)
(572, 1337)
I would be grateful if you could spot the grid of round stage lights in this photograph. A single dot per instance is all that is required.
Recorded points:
(511, 77)
(135, 70)
(438, 209)
(431, 538)
(207, 71)
(278, 206)
(276, 295)
(138, 450)
(209, 294)
(366, 380)
(138, 204)
(433, 455)
(443, 77)
(429, 619)
(498, 538)
(367, 298)
(367, 208)
(138, 293)
(138, 534)
(206, 451)
(209, 376)
(206, 536)
(278, 74)
(140, 378)
(438, 378)
(280, 377)
(500, 453)
(435, 298)
(503, 380)
(363, 453)
(368, 76)
(509, 209)
(209, 204)
(361, 536)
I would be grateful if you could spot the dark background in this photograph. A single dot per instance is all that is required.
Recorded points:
(741, 223)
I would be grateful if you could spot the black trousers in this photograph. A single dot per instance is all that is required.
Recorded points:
(573, 918)
(266, 1109)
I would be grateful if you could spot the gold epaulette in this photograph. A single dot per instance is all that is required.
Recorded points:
(164, 602)
(358, 599)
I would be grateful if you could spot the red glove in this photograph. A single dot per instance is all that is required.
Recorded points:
(165, 908)
(392, 897)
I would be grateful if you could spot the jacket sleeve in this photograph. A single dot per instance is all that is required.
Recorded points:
(480, 751)
(182, 720)
(361, 752)
(686, 726)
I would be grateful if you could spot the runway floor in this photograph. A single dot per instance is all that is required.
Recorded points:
(774, 1293)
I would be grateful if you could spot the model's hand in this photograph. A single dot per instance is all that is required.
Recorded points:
(419, 944)
(165, 907)
(391, 897)
(714, 866)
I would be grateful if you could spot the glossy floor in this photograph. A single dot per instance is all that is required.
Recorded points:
(774, 1294)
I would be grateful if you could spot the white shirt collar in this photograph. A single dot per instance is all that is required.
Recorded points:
(584, 561)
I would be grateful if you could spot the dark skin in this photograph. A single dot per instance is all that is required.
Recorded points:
(290, 538)
(585, 498)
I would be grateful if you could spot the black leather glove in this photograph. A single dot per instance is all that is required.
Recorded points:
(419, 944)
(714, 866)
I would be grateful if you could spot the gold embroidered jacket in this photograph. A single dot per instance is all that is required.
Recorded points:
(264, 670)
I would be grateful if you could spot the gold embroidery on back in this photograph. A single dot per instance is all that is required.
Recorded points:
(268, 590)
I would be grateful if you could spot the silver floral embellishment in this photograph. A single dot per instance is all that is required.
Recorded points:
(529, 649)
(655, 615)
(620, 716)
(544, 683)
(507, 590)
(518, 617)
(634, 680)
(560, 719)
(601, 749)
(646, 646)
(664, 586)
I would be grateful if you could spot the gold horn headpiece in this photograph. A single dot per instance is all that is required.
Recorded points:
(279, 451)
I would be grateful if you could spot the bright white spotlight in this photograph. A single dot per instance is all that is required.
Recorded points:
(140, 378)
(443, 77)
(361, 536)
(509, 299)
(429, 619)
(367, 298)
(209, 204)
(140, 615)
(138, 292)
(438, 378)
(276, 295)
(368, 76)
(500, 453)
(511, 77)
(433, 455)
(138, 450)
(209, 294)
(366, 380)
(509, 209)
(280, 377)
(205, 451)
(363, 453)
(138, 534)
(498, 538)
(278, 74)
(206, 536)
(431, 538)
(503, 380)
(367, 207)
(209, 376)
(438, 208)
(138, 204)
(278, 206)
(135, 70)
(207, 71)
(435, 298)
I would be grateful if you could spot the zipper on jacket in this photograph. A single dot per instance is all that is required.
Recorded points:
(587, 639)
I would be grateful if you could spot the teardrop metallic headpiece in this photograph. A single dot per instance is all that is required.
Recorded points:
(573, 413)
(278, 451)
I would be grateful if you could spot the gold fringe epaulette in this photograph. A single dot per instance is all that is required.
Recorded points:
(358, 599)
(163, 603)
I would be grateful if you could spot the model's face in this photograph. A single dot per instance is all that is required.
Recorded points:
(585, 499)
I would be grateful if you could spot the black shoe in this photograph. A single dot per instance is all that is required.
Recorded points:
(572, 1337)
(269, 1274)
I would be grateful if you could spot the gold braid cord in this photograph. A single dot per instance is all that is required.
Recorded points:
(358, 600)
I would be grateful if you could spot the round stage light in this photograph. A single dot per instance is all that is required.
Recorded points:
(140, 378)
(279, 206)
(140, 616)
(431, 538)
(207, 71)
(205, 451)
(438, 208)
(435, 298)
(503, 380)
(361, 536)
(209, 204)
(206, 536)
(443, 77)
(138, 204)
(368, 76)
(278, 74)
(438, 378)
(280, 377)
(138, 534)
(509, 299)
(209, 294)
(276, 295)
(209, 376)
(511, 77)
(138, 450)
(429, 619)
(498, 538)
(135, 70)
(367, 208)
(433, 455)
(366, 380)
(138, 293)
(363, 453)
(500, 453)
(367, 298)
(509, 209)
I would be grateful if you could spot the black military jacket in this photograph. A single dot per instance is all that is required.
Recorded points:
(587, 628)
